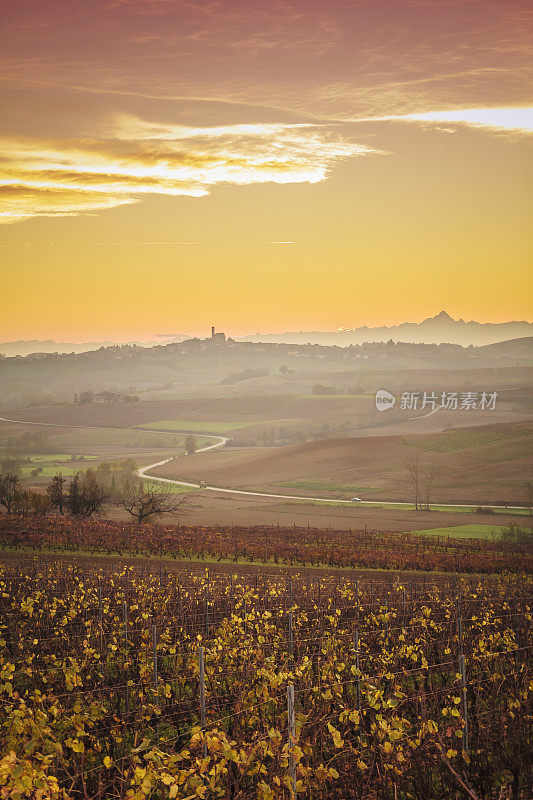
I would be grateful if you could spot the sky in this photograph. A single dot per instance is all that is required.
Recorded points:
(166, 165)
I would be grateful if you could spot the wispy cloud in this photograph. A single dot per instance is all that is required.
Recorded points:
(515, 120)
(188, 244)
(137, 157)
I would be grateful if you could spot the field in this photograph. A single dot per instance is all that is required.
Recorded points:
(201, 427)
(467, 531)
(50, 464)
(285, 439)
(476, 437)
(323, 486)
(280, 545)
(259, 412)
(374, 467)
(207, 508)
(125, 681)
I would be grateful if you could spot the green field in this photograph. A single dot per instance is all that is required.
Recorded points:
(334, 396)
(328, 503)
(117, 439)
(406, 507)
(200, 427)
(39, 458)
(53, 463)
(324, 486)
(172, 488)
(465, 531)
(471, 509)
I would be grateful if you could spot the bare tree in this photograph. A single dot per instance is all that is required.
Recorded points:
(413, 473)
(430, 476)
(151, 502)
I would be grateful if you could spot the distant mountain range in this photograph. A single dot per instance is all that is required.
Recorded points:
(25, 347)
(434, 330)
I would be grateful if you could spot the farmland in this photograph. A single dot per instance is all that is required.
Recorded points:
(144, 660)
(280, 545)
(294, 442)
(200, 426)
(475, 531)
(346, 461)
(50, 464)
(476, 437)
(497, 470)
(121, 680)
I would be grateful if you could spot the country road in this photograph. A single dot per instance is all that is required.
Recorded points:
(220, 442)
(385, 503)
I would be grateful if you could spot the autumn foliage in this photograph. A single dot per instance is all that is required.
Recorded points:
(419, 689)
(357, 549)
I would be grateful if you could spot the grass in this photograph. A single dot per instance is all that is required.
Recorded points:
(364, 506)
(125, 438)
(51, 464)
(39, 457)
(328, 503)
(464, 531)
(470, 509)
(201, 427)
(172, 488)
(50, 470)
(240, 562)
(383, 505)
(344, 396)
(324, 486)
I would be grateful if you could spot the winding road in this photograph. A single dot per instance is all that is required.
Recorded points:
(385, 503)
(220, 441)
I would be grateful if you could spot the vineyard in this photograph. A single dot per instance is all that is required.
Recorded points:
(449, 441)
(122, 681)
(283, 546)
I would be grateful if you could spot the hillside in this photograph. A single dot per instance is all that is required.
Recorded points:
(202, 362)
(497, 465)
(513, 348)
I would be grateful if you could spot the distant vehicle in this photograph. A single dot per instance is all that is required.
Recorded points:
(355, 500)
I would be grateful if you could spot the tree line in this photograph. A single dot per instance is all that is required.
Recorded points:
(89, 492)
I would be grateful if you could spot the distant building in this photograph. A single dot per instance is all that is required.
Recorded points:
(219, 338)
(104, 397)
(113, 397)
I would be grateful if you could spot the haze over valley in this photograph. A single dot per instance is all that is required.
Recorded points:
(266, 400)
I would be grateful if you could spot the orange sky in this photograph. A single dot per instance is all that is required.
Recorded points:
(264, 166)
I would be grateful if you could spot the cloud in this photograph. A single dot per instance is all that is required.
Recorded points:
(513, 120)
(19, 202)
(189, 244)
(383, 56)
(137, 157)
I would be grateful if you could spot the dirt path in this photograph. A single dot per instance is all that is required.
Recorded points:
(143, 473)
(220, 442)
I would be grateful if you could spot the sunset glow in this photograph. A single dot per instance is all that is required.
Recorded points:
(388, 142)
